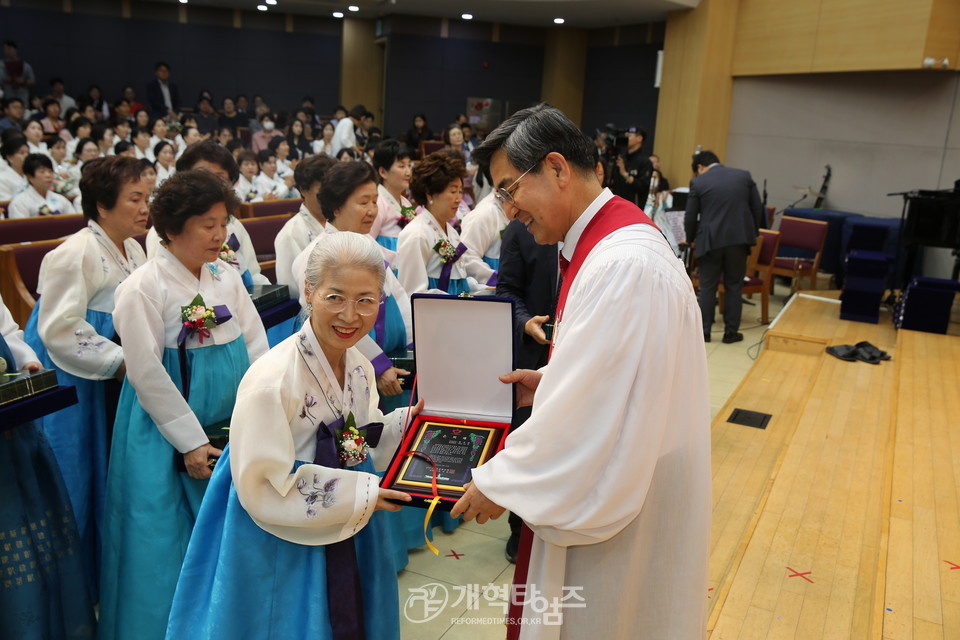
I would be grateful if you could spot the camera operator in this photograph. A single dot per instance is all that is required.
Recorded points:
(632, 179)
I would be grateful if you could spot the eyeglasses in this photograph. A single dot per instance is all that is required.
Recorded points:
(503, 193)
(335, 303)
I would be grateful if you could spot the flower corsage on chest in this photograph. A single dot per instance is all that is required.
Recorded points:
(447, 252)
(228, 252)
(197, 319)
(407, 214)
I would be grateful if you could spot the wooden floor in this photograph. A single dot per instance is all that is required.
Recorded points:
(841, 519)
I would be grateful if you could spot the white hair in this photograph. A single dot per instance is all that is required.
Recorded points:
(343, 250)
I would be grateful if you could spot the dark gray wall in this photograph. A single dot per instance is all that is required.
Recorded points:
(85, 48)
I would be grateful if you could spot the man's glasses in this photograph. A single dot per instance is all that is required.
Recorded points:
(335, 303)
(505, 195)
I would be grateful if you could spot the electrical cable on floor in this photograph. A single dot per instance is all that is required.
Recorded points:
(757, 344)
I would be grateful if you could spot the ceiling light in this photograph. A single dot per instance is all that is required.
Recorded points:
(338, 14)
(261, 7)
(466, 16)
(353, 7)
(558, 21)
(184, 1)
(271, 1)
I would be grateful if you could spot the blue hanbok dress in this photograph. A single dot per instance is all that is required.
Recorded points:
(275, 518)
(151, 505)
(71, 330)
(43, 589)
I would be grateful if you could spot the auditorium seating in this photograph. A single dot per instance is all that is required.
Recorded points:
(808, 235)
(42, 228)
(263, 232)
(269, 208)
(20, 266)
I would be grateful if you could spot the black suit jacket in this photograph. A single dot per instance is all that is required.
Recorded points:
(155, 98)
(528, 274)
(723, 209)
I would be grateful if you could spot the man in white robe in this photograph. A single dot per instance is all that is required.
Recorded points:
(612, 470)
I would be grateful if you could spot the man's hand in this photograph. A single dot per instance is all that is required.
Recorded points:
(534, 329)
(388, 384)
(474, 504)
(196, 461)
(527, 381)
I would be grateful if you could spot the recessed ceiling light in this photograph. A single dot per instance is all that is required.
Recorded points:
(184, 1)
(466, 16)
(271, 1)
(353, 7)
(261, 7)
(558, 21)
(338, 14)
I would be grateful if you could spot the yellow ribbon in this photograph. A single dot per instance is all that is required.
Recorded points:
(426, 524)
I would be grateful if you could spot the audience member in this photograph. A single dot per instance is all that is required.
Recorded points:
(345, 137)
(324, 144)
(163, 97)
(392, 162)
(419, 132)
(16, 76)
(39, 199)
(51, 121)
(57, 92)
(33, 132)
(13, 151)
(261, 139)
(95, 97)
(12, 114)
(231, 117)
(207, 119)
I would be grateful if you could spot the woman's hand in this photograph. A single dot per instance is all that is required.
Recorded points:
(196, 461)
(390, 494)
(32, 367)
(527, 381)
(388, 384)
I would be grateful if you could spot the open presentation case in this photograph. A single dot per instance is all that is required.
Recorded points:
(462, 345)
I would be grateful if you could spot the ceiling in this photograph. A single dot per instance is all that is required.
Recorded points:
(541, 13)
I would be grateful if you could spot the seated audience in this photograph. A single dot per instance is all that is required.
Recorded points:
(39, 199)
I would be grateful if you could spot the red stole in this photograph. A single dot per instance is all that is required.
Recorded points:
(615, 214)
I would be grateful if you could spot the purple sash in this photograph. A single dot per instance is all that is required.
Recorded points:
(232, 242)
(447, 268)
(344, 597)
(220, 315)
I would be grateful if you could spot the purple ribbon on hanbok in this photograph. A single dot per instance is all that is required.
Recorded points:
(220, 315)
(232, 242)
(492, 281)
(447, 267)
(344, 597)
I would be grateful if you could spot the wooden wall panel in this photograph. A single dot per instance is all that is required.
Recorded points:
(361, 71)
(795, 24)
(943, 40)
(564, 66)
(857, 35)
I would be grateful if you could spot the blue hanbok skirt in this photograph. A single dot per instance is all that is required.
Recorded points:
(455, 288)
(78, 437)
(494, 263)
(240, 582)
(43, 589)
(152, 507)
(390, 242)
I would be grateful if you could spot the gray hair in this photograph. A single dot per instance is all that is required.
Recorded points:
(342, 250)
(530, 134)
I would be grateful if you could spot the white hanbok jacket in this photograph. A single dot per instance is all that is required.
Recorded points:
(482, 230)
(275, 185)
(11, 183)
(246, 190)
(417, 261)
(30, 204)
(294, 236)
(83, 274)
(163, 173)
(281, 402)
(19, 349)
(147, 317)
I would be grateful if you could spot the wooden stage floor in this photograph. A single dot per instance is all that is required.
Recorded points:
(841, 519)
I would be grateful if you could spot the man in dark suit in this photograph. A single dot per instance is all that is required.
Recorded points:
(163, 98)
(722, 220)
(528, 274)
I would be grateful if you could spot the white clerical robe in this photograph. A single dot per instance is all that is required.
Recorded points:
(482, 230)
(293, 237)
(83, 274)
(30, 204)
(147, 315)
(246, 254)
(417, 261)
(281, 402)
(612, 470)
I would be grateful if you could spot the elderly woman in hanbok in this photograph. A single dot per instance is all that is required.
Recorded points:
(290, 541)
(430, 255)
(391, 161)
(239, 252)
(39, 599)
(189, 332)
(39, 199)
(13, 152)
(348, 200)
(71, 329)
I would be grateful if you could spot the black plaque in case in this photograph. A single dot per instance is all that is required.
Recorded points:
(455, 449)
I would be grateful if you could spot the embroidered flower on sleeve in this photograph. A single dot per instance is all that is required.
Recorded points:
(103, 263)
(87, 343)
(304, 345)
(309, 402)
(317, 494)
